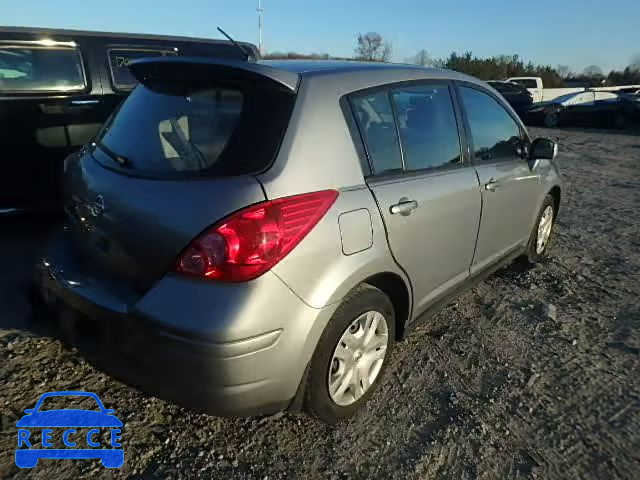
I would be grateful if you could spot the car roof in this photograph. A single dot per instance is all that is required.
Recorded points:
(34, 31)
(335, 66)
(352, 67)
(289, 72)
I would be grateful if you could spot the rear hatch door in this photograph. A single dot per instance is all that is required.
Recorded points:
(179, 154)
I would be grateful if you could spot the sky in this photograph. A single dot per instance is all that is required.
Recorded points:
(577, 33)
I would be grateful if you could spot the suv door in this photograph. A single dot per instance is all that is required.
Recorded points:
(509, 187)
(49, 107)
(427, 194)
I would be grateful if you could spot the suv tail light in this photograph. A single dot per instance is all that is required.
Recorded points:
(251, 241)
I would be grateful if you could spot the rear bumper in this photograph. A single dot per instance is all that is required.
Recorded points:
(226, 349)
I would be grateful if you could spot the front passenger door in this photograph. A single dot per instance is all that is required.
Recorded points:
(509, 187)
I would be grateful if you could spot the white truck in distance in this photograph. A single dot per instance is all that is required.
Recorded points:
(541, 94)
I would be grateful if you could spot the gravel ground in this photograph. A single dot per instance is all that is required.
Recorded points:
(532, 374)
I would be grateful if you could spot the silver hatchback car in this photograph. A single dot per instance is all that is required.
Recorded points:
(250, 237)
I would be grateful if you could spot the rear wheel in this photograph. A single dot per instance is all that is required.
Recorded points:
(351, 356)
(542, 230)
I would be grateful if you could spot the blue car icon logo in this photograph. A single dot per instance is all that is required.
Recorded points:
(70, 426)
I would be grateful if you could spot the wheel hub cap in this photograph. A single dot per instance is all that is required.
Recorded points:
(544, 229)
(358, 358)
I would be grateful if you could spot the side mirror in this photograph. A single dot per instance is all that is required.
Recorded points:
(543, 148)
(29, 411)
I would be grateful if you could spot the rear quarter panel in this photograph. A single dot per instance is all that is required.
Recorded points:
(318, 270)
(318, 153)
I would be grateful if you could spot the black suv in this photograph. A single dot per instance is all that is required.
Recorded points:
(57, 87)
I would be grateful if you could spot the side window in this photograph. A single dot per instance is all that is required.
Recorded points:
(428, 127)
(376, 123)
(120, 58)
(27, 69)
(495, 134)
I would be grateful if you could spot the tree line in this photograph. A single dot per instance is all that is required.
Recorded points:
(372, 46)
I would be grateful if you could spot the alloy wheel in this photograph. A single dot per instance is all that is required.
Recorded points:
(544, 229)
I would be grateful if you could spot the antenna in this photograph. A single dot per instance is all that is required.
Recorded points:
(259, 10)
(236, 44)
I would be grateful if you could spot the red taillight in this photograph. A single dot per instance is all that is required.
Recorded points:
(251, 241)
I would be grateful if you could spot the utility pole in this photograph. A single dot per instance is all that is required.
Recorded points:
(259, 9)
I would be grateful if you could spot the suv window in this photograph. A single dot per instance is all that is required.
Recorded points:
(120, 58)
(495, 134)
(374, 115)
(40, 69)
(427, 126)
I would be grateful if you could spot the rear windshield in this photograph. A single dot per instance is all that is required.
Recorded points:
(211, 130)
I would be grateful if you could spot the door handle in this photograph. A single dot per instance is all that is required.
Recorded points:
(79, 103)
(492, 185)
(404, 207)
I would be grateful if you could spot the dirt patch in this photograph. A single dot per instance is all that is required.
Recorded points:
(532, 374)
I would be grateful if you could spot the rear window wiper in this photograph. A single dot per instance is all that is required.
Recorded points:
(122, 161)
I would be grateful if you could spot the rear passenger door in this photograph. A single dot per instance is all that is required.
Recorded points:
(49, 107)
(510, 188)
(427, 194)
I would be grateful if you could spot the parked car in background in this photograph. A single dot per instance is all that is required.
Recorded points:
(589, 107)
(533, 84)
(544, 94)
(273, 227)
(518, 96)
(631, 107)
(57, 87)
(631, 90)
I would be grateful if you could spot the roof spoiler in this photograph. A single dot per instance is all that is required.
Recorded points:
(147, 70)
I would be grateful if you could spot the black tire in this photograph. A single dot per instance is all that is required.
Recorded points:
(532, 255)
(551, 119)
(317, 401)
